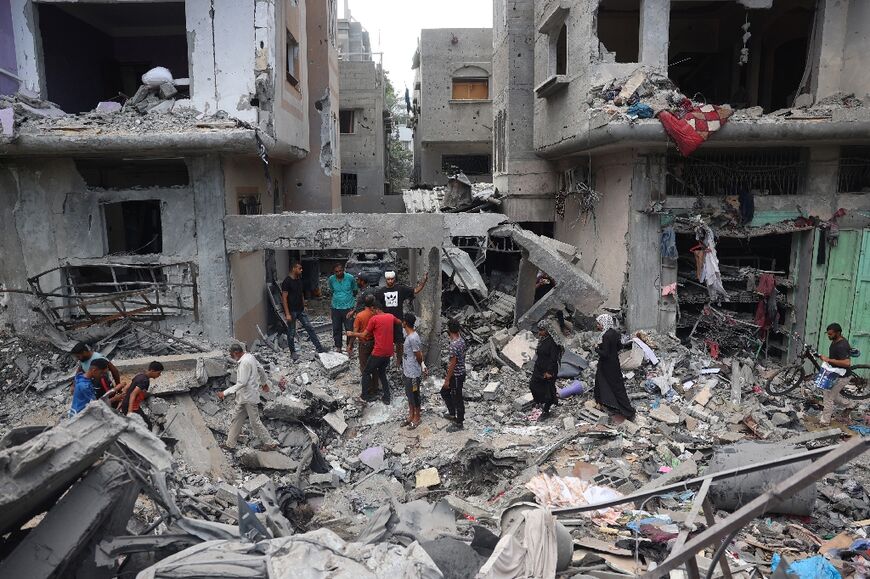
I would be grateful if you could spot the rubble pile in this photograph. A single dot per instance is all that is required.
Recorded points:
(425, 502)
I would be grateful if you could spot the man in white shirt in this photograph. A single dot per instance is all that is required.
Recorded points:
(249, 376)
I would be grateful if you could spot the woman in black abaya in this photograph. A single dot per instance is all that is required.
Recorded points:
(609, 384)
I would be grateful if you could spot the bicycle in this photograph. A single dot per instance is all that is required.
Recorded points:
(793, 376)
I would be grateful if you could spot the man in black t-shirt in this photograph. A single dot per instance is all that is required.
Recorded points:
(839, 356)
(392, 298)
(137, 392)
(293, 299)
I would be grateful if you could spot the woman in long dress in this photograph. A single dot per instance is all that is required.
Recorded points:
(609, 384)
(546, 370)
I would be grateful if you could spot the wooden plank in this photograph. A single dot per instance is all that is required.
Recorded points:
(859, 335)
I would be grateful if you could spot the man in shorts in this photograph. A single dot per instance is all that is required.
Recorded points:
(412, 369)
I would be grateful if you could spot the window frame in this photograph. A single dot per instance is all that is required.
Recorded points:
(469, 81)
(353, 123)
(291, 55)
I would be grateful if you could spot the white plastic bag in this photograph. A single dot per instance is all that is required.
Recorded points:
(157, 76)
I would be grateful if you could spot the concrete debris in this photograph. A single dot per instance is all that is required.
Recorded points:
(428, 477)
(336, 421)
(334, 363)
(272, 460)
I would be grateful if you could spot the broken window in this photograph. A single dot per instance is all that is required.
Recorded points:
(133, 173)
(718, 173)
(562, 50)
(133, 227)
(706, 40)
(349, 184)
(292, 57)
(854, 173)
(250, 205)
(619, 30)
(346, 121)
(468, 164)
(465, 89)
(93, 52)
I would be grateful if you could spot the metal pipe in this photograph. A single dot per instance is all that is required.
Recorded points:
(10, 74)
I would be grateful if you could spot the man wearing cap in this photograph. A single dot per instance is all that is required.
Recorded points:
(392, 298)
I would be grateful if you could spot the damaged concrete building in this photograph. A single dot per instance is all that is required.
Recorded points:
(579, 141)
(452, 105)
(364, 124)
(115, 186)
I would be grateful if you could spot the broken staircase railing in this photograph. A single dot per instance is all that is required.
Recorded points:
(115, 291)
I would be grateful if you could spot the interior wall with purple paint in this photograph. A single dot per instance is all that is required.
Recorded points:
(7, 49)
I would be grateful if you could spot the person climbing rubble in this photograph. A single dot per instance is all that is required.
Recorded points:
(392, 298)
(451, 390)
(293, 300)
(412, 368)
(108, 382)
(839, 357)
(609, 383)
(85, 384)
(136, 393)
(344, 289)
(381, 328)
(546, 369)
(249, 377)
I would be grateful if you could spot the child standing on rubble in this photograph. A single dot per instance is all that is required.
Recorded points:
(137, 392)
(412, 368)
(451, 391)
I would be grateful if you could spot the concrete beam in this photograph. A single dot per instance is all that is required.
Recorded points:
(246, 233)
(196, 443)
(42, 468)
(655, 18)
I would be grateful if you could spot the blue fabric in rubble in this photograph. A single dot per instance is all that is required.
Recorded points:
(813, 568)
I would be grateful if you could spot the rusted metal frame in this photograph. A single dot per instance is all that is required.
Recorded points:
(108, 319)
(700, 499)
(696, 482)
(739, 518)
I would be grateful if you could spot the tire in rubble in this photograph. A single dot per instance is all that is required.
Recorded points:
(858, 387)
(785, 380)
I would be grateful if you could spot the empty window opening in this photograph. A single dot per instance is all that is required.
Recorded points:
(132, 173)
(732, 324)
(133, 227)
(562, 50)
(93, 52)
(706, 39)
(250, 205)
(469, 164)
(292, 57)
(718, 173)
(465, 89)
(619, 30)
(854, 173)
(349, 184)
(346, 121)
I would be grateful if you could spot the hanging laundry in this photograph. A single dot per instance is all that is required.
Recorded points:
(766, 313)
(695, 127)
(711, 276)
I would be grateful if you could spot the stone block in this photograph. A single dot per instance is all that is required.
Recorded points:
(428, 477)
(251, 486)
(664, 414)
(523, 401)
(227, 493)
(334, 363)
(336, 421)
(285, 408)
(490, 392)
(167, 90)
(108, 107)
(272, 460)
(520, 350)
(320, 394)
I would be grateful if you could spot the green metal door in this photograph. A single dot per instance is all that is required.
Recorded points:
(840, 292)
(859, 335)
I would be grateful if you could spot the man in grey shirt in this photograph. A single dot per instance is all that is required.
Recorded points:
(412, 368)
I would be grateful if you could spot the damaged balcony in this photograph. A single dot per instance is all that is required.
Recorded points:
(100, 292)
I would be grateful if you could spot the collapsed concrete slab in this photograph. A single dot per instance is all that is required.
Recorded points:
(34, 474)
(59, 545)
(196, 443)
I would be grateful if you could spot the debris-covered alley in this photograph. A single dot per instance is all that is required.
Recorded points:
(604, 315)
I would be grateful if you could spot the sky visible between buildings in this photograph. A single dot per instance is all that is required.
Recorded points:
(394, 27)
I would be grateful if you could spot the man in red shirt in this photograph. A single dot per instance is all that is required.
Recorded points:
(381, 327)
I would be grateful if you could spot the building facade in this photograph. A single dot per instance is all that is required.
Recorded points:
(795, 150)
(130, 201)
(452, 105)
(363, 125)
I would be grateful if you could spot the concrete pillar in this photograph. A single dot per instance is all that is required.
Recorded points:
(526, 278)
(834, 15)
(655, 20)
(13, 272)
(28, 45)
(644, 244)
(428, 302)
(213, 277)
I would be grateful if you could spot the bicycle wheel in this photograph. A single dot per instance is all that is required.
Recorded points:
(785, 380)
(858, 387)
